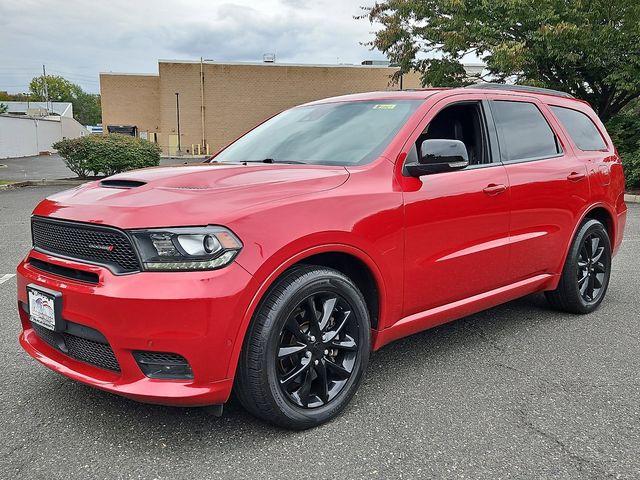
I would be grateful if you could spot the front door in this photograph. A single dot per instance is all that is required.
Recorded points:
(457, 223)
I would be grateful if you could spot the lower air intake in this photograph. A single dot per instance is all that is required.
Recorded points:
(163, 365)
(89, 351)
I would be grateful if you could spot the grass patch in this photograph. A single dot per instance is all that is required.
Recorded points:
(6, 182)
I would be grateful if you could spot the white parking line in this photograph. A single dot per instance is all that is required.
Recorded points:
(8, 276)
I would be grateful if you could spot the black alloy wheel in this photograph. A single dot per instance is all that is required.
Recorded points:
(317, 350)
(591, 268)
(306, 349)
(587, 269)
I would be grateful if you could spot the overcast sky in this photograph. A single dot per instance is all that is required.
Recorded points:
(78, 39)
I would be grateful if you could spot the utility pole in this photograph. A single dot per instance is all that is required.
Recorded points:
(178, 118)
(46, 87)
(202, 107)
(204, 145)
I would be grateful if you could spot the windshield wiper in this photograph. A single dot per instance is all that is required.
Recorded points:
(271, 160)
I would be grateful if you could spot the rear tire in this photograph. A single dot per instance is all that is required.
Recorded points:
(585, 276)
(306, 349)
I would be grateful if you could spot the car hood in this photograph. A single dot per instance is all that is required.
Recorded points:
(196, 194)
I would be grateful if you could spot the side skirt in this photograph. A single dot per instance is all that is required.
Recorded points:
(461, 308)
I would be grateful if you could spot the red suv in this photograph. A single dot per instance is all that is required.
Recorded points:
(326, 232)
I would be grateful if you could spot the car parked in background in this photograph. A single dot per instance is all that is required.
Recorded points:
(328, 231)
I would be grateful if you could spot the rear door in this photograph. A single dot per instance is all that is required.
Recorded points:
(456, 223)
(548, 183)
(593, 146)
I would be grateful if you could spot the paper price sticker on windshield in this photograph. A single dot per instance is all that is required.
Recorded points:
(384, 106)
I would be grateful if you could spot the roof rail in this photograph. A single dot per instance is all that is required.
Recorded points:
(520, 88)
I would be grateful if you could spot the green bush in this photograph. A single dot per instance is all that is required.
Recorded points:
(625, 133)
(631, 163)
(107, 154)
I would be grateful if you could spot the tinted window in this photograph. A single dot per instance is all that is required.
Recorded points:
(581, 129)
(523, 131)
(340, 133)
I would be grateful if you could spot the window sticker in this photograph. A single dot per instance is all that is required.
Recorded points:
(384, 106)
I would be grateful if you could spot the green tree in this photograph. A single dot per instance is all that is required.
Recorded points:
(588, 48)
(60, 89)
(624, 129)
(86, 106)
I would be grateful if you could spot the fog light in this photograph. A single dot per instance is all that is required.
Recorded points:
(163, 365)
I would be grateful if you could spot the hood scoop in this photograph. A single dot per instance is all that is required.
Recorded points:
(126, 184)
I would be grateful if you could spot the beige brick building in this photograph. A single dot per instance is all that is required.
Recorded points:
(220, 101)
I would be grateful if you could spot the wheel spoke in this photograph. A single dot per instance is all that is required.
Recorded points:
(293, 327)
(595, 243)
(598, 255)
(590, 288)
(583, 279)
(584, 253)
(314, 327)
(583, 288)
(582, 264)
(599, 267)
(333, 333)
(327, 310)
(304, 365)
(290, 350)
(340, 372)
(598, 280)
(347, 343)
(302, 394)
(323, 387)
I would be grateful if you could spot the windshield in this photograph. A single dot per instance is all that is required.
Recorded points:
(343, 133)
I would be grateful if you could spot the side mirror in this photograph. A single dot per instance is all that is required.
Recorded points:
(438, 156)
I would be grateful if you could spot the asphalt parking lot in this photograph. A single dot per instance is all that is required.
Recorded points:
(519, 391)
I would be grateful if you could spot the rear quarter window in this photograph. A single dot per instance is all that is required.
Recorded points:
(581, 129)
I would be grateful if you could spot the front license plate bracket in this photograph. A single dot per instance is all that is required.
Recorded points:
(45, 307)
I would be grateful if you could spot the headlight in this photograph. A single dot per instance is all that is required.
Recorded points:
(187, 248)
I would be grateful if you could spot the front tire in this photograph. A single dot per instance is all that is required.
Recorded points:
(306, 349)
(585, 276)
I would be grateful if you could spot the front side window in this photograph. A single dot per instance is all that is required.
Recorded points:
(581, 129)
(464, 122)
(341, 133)
(523, 132)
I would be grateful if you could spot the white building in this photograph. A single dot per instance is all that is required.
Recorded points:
(31, 128)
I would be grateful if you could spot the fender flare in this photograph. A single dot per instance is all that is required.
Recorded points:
(267, 282)
(581, 219)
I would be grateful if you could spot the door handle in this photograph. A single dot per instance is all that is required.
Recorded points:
(493, 189)
(576, 177)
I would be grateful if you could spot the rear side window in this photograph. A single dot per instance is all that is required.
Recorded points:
(581, 128)
(523, 132)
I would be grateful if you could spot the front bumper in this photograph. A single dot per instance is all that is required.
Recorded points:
(194, 314)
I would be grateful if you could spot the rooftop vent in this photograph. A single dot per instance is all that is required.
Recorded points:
(269, 58)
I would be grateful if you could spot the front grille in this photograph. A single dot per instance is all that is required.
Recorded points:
(92, 243)
(83, 349)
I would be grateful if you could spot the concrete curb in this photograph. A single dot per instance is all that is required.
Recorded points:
(44, 183)
(628, 198)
